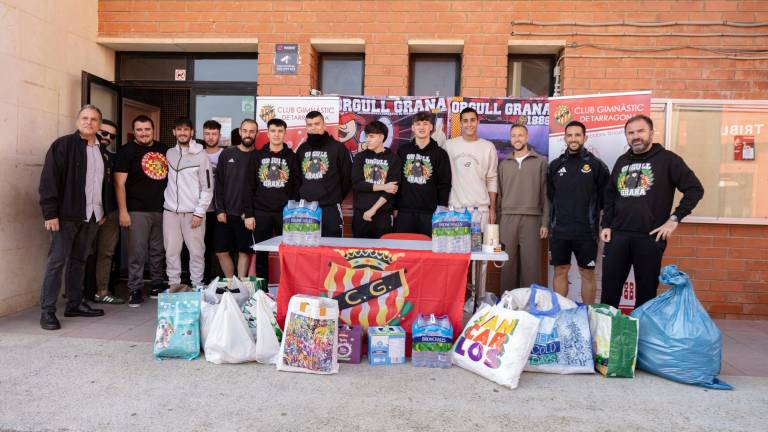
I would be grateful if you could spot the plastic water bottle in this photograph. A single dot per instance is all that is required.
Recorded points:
(476, 230)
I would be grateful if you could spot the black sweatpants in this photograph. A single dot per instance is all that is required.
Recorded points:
(268, 225)
(413, 222)
(332, 223)
(626, 250)
(380, 224)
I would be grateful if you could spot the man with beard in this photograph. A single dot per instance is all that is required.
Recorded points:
(99, 266)
(637, 220)
(231, 236)
(272, 180)
(575, 187)
(326, 173)
(211, 138)
(72, 193)
(426, 178)
(187, 197)
(523, 210)
(141, 172)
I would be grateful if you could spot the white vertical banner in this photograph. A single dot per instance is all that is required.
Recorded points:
(604, 116)
(293, 111)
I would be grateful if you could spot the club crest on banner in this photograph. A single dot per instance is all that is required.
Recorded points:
(370, 292)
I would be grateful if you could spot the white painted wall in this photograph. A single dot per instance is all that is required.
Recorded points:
(44, 45)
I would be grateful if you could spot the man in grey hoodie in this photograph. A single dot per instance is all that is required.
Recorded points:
(187, 197)
(523, 211)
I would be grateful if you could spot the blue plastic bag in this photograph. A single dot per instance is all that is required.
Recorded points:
(678, 340)
(178, 325)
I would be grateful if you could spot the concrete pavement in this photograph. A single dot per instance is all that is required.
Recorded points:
(68, 383)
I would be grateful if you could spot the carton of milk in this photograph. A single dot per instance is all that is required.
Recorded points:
(386, 345)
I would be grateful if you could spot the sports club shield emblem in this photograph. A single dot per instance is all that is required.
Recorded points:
(368, 293)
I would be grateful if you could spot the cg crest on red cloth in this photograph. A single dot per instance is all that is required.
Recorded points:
(369, 291)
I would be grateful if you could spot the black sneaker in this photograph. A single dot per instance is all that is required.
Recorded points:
(135, 299)
(157, 289)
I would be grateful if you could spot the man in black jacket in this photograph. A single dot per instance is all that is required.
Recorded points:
(72, 192)
(426, 179)
(637, 221)
(272, 180)
(576, 184)
(326, 173)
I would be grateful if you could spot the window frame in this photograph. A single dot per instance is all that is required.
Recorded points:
(190, 82)
(668, 104)
(510, 72)
(412, 75)
(340, 56)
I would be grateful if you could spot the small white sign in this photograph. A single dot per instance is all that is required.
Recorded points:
(181, 75)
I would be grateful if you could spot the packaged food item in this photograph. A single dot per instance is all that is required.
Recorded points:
(386, 345)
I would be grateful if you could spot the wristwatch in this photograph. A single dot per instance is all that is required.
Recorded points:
(673, 218)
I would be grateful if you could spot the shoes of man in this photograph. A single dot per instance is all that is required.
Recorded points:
(157, 289)
(48, 321)
(108, 299)
(135, 299)
(83, 310)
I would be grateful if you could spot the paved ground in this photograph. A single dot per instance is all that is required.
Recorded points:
(99, 374)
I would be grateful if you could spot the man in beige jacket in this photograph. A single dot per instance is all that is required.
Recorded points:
(523, 211)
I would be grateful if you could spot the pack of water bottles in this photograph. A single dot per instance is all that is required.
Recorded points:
(432, 341)
(301, 223)
(451, 230)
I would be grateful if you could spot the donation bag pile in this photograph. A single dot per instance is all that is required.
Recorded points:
(496, 342)
(301, 223)
(451, 230)
(678, 340)
(614, 341)
(178, 325)
(310, 336)
(563, 344)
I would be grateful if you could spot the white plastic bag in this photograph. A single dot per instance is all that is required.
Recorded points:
(311, 336)
(213, 292)
(207, 312)
(229, 340)
(267, 343)
(563, 343)
(496, 343)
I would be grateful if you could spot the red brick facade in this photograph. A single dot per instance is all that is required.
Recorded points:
(729, 263)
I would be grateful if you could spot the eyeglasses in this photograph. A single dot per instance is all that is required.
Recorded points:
(104, 134)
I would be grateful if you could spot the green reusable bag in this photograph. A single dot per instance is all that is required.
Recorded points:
(614, 341)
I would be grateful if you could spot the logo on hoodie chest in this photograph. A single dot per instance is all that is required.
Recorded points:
(417, 169)
(375, 170)
(635, 179)
(315, 164)
(274, 172)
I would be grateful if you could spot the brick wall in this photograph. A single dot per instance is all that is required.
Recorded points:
(729, 264)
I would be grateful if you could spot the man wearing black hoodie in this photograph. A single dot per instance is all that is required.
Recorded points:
(273, 179)
(375, 176)
(426, 180)
(636, 220)
(326, 173)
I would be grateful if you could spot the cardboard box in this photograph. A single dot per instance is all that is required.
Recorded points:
(386, 345)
